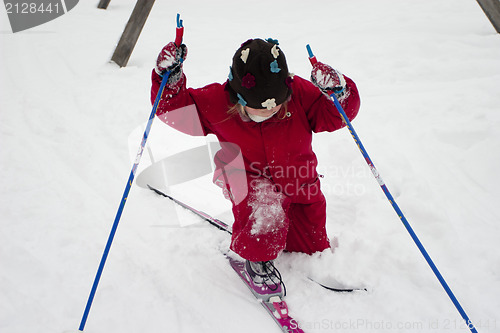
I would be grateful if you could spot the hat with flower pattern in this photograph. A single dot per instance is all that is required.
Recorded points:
(259, 76)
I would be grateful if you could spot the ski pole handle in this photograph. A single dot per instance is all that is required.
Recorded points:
(312, 58)
(179, 31)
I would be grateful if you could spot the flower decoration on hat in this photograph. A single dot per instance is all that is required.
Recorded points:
(274, 67)
(269, 103)
(244, 55)
(272, 41)
(275, 52)
(248, 81)
(248, 41)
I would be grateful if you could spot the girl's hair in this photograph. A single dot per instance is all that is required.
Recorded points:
(240, 109)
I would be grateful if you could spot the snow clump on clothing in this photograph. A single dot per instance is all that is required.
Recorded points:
(267, 207)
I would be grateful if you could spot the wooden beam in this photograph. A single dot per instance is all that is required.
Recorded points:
(132, 31)
(103, 4)
(492, 10)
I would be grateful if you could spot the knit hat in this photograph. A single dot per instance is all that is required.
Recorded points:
(259, 75)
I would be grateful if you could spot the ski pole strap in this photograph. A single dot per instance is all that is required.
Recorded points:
(389, 196)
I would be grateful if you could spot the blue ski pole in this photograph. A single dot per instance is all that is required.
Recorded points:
(178, 41)
(377, 176)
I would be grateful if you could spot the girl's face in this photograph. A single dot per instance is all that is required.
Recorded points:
(263, 112)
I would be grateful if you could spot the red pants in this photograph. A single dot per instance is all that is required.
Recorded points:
(266, 222)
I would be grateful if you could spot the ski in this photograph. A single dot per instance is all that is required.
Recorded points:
(227, 228)
(213, 221)
(338, 289)
(275, 306)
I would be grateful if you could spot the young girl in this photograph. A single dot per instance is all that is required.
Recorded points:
(264, 118)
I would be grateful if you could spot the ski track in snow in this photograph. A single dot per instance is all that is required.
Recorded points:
(428, 74)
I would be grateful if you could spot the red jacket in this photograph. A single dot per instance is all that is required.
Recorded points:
(278, 148)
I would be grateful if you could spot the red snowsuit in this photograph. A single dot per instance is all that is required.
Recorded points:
(268, 168)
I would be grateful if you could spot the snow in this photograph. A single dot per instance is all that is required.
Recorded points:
(267, 210)
(428, 73)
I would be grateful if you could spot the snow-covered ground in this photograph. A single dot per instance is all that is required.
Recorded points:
(428, 73)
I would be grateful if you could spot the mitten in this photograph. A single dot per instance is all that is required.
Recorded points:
(170, 59)
(328, 79)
